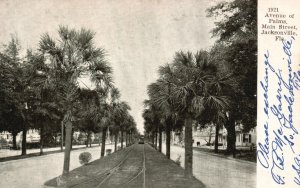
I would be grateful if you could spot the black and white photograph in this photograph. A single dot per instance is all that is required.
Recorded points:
(128, 93)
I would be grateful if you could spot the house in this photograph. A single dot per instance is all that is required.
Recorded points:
(5, 136)
(32, 136)
(242, 139)
(206, 136)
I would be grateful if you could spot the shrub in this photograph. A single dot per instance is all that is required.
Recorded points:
(85, 157)
(108, 151)
(177, 161)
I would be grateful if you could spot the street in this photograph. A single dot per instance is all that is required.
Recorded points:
(216, 172)
(213, 171)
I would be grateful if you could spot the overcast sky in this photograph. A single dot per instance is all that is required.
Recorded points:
(138, 35)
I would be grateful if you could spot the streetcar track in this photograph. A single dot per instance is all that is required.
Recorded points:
(141, 171)
(112, 171)
(130, 180)
(106, 173)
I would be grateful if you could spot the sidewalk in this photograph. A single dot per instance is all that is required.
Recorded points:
(242, 153)
(9, 153)
(209, 168)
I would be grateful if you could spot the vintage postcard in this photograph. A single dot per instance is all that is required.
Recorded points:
(149, 93)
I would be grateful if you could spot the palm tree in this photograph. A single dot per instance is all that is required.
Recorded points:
(101, 114)
(105, 122)
(192, 73)
(227, 85)
(123, 118)
(160, 93)
(153, 116)
(70, 57)
(149, 125)
(89, 102)
(129, 126)
(115, 96)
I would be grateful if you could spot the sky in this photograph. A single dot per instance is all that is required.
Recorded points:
(137, 35)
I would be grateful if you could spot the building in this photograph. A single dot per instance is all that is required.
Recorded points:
(32, 136)
(206, 136)
(5, 136)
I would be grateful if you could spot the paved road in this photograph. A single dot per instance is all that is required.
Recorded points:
(33, 172)
(216, 172)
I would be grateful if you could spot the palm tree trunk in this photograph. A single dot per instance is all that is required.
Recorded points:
(231, 137)
(126, 139)
(116, 141)
(153, 138)
(14, 140)
(209, 139)
(160, 138)
(188, 143)
(129, 138)
(99, 140)
(168, 140)
(72, 138)
(155, 145)
(131, 141)
(62, 137)
(217, 137)
(55, 139)
(24, 139)
(103, 141)
(68, 144)
(90, 140)
(41, 139)
(122, 138)
(87, 139)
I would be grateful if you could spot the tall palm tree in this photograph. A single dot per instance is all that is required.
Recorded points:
(123, 118)
(115, 96)
(89, 103)
(154, 116)
(192, 74)
(129, 126)
(228, 84)
(105, 122)
(149, 125)
(73, 55)
(101, 114)
(160, 93)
